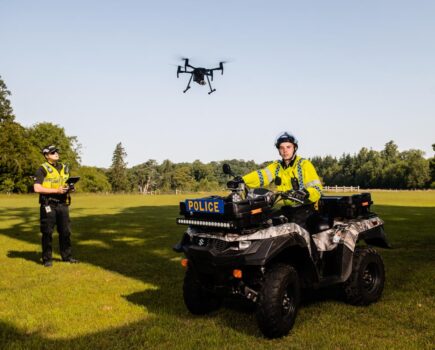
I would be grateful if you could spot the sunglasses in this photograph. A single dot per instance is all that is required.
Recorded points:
(52, 152)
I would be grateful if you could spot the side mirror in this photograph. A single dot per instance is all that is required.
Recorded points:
(227, 169)
(278, 181)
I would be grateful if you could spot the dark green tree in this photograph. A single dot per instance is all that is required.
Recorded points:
(327, 168)
(6, 112)
(118, 171)
(166, 175)
(182, 178)
(92, 179)
(417, 172)
(391, 152)
(144, 177)
(43, 134)
(432, 169)
(19, 159)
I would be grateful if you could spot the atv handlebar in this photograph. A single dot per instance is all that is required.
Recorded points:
(237, 185)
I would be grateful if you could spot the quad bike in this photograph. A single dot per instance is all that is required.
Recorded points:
(238, 246)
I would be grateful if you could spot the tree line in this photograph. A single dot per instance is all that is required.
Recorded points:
(20, 156)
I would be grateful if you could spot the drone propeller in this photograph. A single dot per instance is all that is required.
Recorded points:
(221, 66)
(178, 71)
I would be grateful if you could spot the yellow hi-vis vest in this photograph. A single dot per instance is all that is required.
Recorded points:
(54, 178)
(302, 169)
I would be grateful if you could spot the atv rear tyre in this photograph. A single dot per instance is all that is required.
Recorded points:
(366, 282)
(278, 301)
(197, 299)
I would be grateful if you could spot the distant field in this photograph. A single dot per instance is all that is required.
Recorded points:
(126, 293)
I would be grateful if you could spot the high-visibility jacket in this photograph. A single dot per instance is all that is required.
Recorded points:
(54, 178)
(301, 169)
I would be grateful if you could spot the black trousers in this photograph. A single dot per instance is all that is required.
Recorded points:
(300, 215)
(58, 215)
(305, 216)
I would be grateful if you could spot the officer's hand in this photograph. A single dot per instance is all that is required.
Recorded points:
(234, 183)
(62, 190)
(298, 196)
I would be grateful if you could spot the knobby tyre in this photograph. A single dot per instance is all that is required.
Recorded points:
(366, 282)
(278, 301)
(197, 299)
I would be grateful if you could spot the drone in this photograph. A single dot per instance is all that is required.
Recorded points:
(199, 74)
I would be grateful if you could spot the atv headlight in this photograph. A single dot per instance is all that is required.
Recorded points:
(244, 244)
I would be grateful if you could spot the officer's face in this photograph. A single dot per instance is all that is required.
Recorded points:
(286, 150)
(52, 156)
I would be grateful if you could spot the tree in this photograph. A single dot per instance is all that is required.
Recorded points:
(417, 173)
(165, 174)
(43, 134)
(182, 178)
(144, 177)
(390, 152)
(92, 179)
(118, 171)
(19, 159)
(6, 112)
(432, 169)
(327, 168)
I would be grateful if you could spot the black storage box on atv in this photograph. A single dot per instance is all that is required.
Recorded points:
(347, 207)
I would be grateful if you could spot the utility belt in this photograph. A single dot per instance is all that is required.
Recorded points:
(48, 200)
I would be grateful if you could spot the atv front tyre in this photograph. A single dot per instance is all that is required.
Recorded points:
(278, 301)
(197, 299)
(366, 282)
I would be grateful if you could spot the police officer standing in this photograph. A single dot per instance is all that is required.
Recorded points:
(50, 183)
(298, 178)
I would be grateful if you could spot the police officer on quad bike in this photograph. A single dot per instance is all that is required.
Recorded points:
(298, 178)
(239, 247)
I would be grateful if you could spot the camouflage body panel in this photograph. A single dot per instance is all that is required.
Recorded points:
(266, 233)
(344, 232)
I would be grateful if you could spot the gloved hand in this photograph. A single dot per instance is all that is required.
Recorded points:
(298, 196)
(234, 183)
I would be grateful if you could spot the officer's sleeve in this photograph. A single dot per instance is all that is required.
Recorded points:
(40, 175)
(311, 181)
(260, 178)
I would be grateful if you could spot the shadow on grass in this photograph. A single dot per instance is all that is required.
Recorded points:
(136, 243)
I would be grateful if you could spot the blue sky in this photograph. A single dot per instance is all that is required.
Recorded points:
(340, 75)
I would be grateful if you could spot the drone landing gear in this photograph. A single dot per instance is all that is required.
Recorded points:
(188, 84)
(211, 90)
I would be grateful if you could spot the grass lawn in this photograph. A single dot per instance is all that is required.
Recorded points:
(127, 291)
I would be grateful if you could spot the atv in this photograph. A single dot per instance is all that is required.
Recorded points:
(239, 246)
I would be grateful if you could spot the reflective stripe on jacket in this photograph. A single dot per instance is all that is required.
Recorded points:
(54, 178)
(302, 169)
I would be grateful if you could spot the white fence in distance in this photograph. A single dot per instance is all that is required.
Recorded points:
(341, 188)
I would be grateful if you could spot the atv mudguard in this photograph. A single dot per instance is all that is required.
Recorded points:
(375, 237)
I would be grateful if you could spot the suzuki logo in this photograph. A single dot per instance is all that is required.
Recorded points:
(201, 242)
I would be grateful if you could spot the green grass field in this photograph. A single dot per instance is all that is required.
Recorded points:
(127, 291)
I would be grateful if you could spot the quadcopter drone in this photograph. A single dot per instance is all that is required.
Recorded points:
(198, 74)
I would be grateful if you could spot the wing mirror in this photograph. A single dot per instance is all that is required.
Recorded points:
(227, 169)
